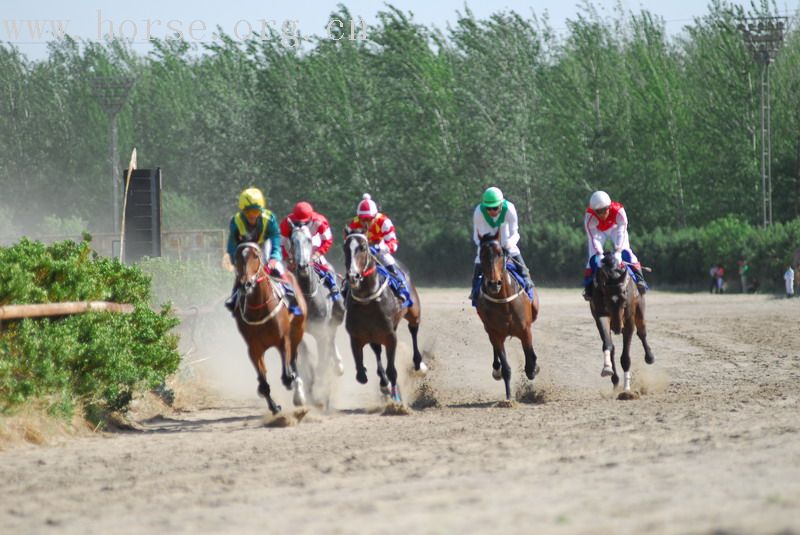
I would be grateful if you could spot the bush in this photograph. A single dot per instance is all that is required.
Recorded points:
(97, 359)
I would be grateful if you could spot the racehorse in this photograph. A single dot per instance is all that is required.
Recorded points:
(264, 320)
(373, 312)
(616, 296)
(505, 310)
(324, 314)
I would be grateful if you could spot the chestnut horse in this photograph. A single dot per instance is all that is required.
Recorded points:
(265, 321)
(616, 296)
(505, 310)
(373, 312)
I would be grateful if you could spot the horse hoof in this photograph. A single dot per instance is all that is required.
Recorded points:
(649, 358)
(496, 374)
(607, 372)
(299, 398)
(396, 395)
(275, 410)
(385, 390)
(531, 374)
(422, 370)
(361, 376)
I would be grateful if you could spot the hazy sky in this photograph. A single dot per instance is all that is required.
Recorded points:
(91, 19)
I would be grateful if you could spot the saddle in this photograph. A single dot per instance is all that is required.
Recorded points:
(512, 268)
(398, 287)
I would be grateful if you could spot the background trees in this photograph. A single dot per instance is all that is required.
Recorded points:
(422, 119)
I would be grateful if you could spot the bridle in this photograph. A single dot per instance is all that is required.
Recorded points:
(251, 282)
(354, 275)
(488, 292)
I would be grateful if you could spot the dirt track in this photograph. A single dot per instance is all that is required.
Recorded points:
(711, 446)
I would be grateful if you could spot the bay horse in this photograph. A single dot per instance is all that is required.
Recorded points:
(373, 312)
(324, 314)
(505, 310)
(616, 297)
(264, 320)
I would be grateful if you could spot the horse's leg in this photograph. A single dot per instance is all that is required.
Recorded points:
(530, 354)
(391, 369)
(419, 366)
(625, 359)
(505, 369)
(641, 331)
(337, 357)
(358, 357)
(288, 363)
(381, 372)
(257, 358)
(608, 350)
(496, 373)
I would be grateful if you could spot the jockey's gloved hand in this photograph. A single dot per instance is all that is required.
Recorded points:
(618, 258)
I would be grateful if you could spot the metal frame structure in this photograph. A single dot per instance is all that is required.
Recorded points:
(112, 93)
(764, 36)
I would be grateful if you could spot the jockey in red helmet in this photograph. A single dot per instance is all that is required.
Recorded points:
(605, 218)
(321, 240)
(380, 233)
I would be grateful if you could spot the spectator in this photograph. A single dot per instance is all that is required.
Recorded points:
(713, 274)
(743, 271)
(788, 278)
(720, 279)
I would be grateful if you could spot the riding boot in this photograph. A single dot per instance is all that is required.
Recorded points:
(474, 288)
(640, 282)
(230, 303)
(401, 281)
(524, 271)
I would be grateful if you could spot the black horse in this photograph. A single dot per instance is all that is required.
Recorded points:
(617, 298)
(373, 312)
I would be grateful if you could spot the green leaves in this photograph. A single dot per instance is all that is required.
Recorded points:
(101, 359)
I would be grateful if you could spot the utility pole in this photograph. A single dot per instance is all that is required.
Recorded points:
(112, 93)
(764, 36)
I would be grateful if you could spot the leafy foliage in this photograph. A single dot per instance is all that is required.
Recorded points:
(99, 359)
(424, 120)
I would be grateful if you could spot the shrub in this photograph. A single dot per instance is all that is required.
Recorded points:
(98, 359)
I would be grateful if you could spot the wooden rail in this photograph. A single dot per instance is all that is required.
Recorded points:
(60, 309)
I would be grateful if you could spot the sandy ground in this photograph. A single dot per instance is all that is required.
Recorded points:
(712, 445)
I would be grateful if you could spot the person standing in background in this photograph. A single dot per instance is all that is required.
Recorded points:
(788, 278)
(743, 270)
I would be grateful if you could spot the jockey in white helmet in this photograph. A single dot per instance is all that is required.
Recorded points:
(607, 219)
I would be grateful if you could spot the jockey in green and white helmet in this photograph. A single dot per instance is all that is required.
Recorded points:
(492, 214)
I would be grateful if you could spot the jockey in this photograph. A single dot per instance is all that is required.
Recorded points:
(380, 234)
(607, 219)
(492, 214)
(254, 223)
(321, 240)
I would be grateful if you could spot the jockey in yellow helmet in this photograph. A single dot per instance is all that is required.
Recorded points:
(255, 223)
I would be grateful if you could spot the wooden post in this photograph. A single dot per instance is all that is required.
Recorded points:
(60, 309)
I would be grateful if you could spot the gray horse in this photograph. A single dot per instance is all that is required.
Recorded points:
(324, 314)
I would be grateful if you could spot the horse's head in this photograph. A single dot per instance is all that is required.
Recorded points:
(301, 246)
(612, 280)
(249, 265)
(358, 261)
(493, 262)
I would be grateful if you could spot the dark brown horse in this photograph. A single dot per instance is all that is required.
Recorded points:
(617, 298)
(265, 321)
(505, 310)
(373, 312)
